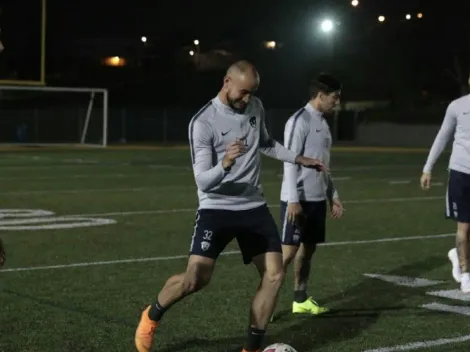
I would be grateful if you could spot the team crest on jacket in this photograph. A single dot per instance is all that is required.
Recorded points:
(253, 121)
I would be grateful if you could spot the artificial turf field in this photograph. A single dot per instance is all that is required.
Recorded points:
(81, 288)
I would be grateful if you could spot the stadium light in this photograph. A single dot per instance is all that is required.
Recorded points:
(327, 26)
(144, 39)
(270, 45)
(191, 53)
(381, 18)
(196, 42)
(115, 61)
(420, 15)
(355, 3)
(408, 17)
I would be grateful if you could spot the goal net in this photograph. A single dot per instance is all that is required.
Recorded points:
(53, 116)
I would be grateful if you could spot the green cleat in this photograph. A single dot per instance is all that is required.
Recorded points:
(310, 306)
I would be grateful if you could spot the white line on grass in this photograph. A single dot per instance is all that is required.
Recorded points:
(76, 176)
(422, 344)
(400, 182)
(97, 163)
(166, 258)
(341, 178)
(193, 210)
(74, 191)
(439, 307)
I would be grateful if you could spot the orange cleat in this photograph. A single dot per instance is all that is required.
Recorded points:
(145, 332)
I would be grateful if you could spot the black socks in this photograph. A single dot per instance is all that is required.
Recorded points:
(156, 311)
(254, 339)
(300, 296)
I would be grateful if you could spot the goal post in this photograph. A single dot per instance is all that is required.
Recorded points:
(42, 115)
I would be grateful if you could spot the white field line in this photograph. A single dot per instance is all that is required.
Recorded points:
(162, 188)
(140, 189)
(439, 307)
(74, 191)
(193, 210)
(422, 344)
(175, 257)
(341, 178)
(156, 188)
(400, 182)
(97, 163)
(76, 176)
(456, 294)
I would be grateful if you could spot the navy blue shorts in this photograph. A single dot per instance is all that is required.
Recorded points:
(254, 229)
(310, 229)
(458, 197)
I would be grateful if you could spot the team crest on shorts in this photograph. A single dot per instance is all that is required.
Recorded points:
(205, 245)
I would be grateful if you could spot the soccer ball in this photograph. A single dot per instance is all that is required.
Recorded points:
(279, 347)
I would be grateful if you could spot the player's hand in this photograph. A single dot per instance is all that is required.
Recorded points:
(294, 212)
(310, 163)
(425, 180)
(337, 209)
(2, 254)
(233, 151)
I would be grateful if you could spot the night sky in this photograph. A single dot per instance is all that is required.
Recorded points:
(374, 60)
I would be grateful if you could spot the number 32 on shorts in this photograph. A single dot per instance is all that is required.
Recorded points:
(207, 235)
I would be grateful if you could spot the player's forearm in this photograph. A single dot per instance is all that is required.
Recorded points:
(445, 132)
(277, 151)
(290, 173)
(208, 179)
(437, 148)
(331, 191)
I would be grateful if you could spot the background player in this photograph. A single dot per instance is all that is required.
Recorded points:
(226, 136)
(304, 193)
(457, 123)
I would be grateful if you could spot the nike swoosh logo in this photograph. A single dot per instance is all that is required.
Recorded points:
(224, 134)
(318, 130)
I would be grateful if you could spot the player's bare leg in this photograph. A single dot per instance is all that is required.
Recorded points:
(302, 263)
(462, 246)
(288, 255)
(197, 276)
(271, 270)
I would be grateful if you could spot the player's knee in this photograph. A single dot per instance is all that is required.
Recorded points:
(287, 260)
(198, 276)
(194, 283)
(274, 278)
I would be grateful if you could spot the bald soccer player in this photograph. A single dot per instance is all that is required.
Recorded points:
(225, 137)
(456, 124)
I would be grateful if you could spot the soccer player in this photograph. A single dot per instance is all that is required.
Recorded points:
(456, 123)
(225, 137)
(304, 193)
